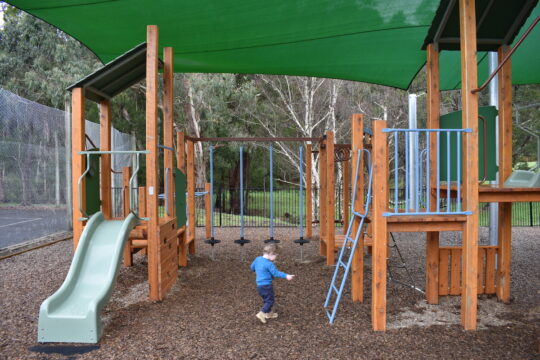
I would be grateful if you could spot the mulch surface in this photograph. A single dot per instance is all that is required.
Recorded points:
(210, 312)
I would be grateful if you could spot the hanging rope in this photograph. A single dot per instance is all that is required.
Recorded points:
(242, 241)
(212, 241)
(301, 240)
(271, 240)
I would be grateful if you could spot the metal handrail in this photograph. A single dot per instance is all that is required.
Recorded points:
(419, 170)
(131, 180)
(507, 56)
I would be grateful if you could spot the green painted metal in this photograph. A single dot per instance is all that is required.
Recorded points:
(180, 182)
(525, 69)
(72, 313)
(453, 121)
(92, 183)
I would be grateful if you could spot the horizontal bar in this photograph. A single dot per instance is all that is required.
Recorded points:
(254, 139)
(165, 147)
(467, 130)
(114, 152)
(388, 214)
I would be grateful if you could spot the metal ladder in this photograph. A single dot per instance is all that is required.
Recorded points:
(348, 248)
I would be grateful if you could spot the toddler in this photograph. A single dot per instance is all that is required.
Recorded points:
(266, 271)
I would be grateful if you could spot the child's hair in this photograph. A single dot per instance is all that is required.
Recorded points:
(270, 249)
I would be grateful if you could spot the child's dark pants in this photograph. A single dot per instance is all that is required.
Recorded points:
(267, 294)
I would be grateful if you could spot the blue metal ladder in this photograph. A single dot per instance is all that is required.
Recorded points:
(348, 248)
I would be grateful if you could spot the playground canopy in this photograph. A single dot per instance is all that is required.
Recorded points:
(371, 41)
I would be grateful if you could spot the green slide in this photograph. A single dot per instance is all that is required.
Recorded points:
(72, 313)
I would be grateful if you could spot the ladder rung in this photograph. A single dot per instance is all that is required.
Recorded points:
(343, 264)
(335, 288)
(356, 213)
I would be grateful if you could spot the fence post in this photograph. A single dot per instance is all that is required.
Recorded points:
(531, 213)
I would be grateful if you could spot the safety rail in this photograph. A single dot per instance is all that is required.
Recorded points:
(420, 185)
(131, 180)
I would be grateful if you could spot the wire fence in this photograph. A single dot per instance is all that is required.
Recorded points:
(35, 158)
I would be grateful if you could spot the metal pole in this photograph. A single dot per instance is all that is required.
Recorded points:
(301, 212)
(271, 193)
(212, 190)
(494, 100)
(241, 193)
(413, 150)
(69, 185)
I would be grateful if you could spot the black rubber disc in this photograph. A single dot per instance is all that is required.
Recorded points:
(301, 241)
(212, 241)
(271, 241)
(242, 241)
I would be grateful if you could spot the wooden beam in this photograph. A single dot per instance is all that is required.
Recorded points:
(105, 145)
(191, 195)
(433, 110)
(467, 24)
(309, 192)
(126, 175)
(168, 122)
(152, 182)
(380, 232)
(330, 198)
(505, 169)
(357, 145)
(78, 143)
(322, 202)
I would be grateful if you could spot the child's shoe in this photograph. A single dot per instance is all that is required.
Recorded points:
(271, 315)
(261, 316)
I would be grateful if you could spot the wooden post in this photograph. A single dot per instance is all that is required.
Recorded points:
(505, 169)
(207, 218)
(152, 182)
(345, 168)
(357, 146)
(469, 82)
(126, 175)
(77, 144)
(309, 192)
(181, 164)
(105, 145)
(322, 198)
(191, 195)
(433, 110)
(168, 120)
(330, 198)
(380, 232)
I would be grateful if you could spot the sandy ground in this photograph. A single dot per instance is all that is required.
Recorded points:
(209, 313)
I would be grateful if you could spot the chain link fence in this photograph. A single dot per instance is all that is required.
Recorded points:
(35, 176)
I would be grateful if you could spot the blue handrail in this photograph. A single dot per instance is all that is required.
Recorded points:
(422, 174)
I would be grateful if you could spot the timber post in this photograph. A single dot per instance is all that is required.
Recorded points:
(467, 23)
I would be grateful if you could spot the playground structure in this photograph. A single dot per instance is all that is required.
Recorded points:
(469, 269)
(167, 240)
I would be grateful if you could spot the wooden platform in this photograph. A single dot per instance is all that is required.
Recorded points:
(416, 223)
(487, 193)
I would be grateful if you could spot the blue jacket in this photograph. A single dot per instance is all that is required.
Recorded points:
(266, 271)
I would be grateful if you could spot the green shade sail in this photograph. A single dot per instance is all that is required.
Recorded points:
(371, 41)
